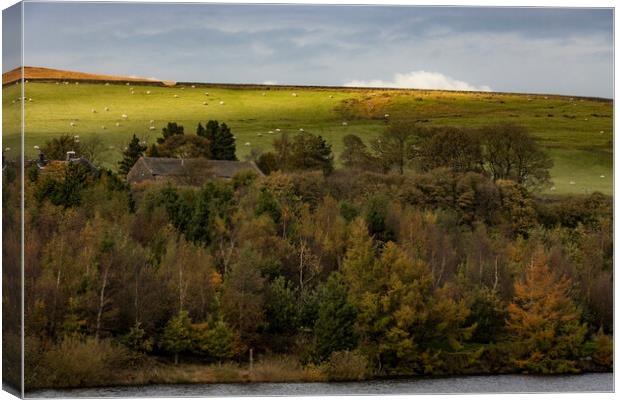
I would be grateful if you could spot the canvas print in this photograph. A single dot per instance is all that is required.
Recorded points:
(247, 199)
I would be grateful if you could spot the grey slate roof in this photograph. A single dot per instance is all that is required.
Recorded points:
(160, 166)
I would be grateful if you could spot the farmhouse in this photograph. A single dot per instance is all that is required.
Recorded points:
(189, 171)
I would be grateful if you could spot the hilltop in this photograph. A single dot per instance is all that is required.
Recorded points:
(577, 132)
(40, 73)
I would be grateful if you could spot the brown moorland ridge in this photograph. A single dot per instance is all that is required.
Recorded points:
(40, 73)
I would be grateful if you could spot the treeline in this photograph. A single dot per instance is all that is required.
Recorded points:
(438, 270)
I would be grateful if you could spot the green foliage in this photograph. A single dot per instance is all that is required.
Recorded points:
(178, 335)
(135, 150)
(216, 342)
(66, 192)
(137, 340)
(488, 314)
(171, 129)
(57, 148)
(281, 307)
(376, 214)
(334, 328)
(221, 139)
(182, 146)
(33, 173)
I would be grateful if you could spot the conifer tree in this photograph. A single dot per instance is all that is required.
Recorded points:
(134, 151)
(544, 321)
(177, 336)
(201, 131)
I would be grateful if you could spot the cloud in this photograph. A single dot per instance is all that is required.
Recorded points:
(270, 83)
(421, 80)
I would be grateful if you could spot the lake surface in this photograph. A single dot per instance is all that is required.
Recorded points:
(463, 384)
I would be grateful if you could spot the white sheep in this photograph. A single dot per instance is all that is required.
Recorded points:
(277, 129)
(387, 115)
(206, 93)
(76, 136)
(259, 134)
(127, 83)
(182, 87)
(124, 116)
(107, 108)
(301, 129)
(571, 182)
(7, 149)
(248, 144)
(294, 94)
(72, 124)
(602, 132)
(552, 188)
(270, 132)
(77, 83)
(36, 147)
(151, 128)
(221, 103)
(602, 176)
(175, 96)
(344, 123)
(93, 110)
(118, 124)
(193, 86)
(331, 96)
(58, 83)
(107, 83)
(204, 103)
(148, 92)
(29, 98)
(263, 94)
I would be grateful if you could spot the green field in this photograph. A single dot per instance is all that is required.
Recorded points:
(576, 132)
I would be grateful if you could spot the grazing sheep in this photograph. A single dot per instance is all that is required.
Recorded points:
(602, 176)
(151, 128)
(93, 111)
(344, 123)
(13, 101)
(206, 93)
(110, 147)
(294, 94)
(387, 115)
(602, 132)
(76, 136)
(221, 103)
(72, 124)
(204, 103)
(66, 83)
(77, 83)
(175, 96)
(331, 96)
(7, 149)
(301, 129)
(183, 88)
(552, 188)
(277, 129)
(572, 182)
(29, 98)
(148, 92)
(107, 108)
(263, 94)
(193, 86)
(270, 132)
(259, 134)
(152, 121)
(107, 83)
(248, 144)
(58, 83)
(118, 124)
(124, 116)
(127, 83)
(36, 147)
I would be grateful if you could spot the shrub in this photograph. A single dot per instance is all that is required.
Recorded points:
(347, 366)
(74, 362)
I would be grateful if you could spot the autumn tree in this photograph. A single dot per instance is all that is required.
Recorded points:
(394, 146)
(178, 335)
(455, 148)
(57, 148)
(544, 321)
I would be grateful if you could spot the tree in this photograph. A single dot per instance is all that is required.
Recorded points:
(178, 334)
(394, 147)
(171, 129)
(223, 147)
(137, 340)
(201, 131)
(134, 151)
(182, 146)
(57, 148)
(455, 148)
(510, 152)
(356, 155)
(93, 148)
(281, 307)
(334, 328)
(309, 151)
(217, 342)
(544, 321)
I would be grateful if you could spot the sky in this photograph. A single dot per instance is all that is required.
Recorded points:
(533, 50)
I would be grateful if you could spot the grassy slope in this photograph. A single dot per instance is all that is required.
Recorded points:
(570, 130)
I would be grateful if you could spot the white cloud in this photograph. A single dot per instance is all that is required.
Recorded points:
(270, 83)
(420, 80)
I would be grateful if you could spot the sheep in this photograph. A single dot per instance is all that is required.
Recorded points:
(77, 83)
(571, 182)
(93, 111)
(263, 94)
(151, 128)
(148, 92)
(26, 80)
(110, 147)
(72, 124)
(206, 93)
(344, 123)
(301, 129)
(387, 115)
(58, 83)
(29, 98)
(552, 188)
(66, 83)
(277, 129)
(103, 127)
(259, 134)
(124, 116)
(182, 87)
(76, 136)
(602, 132)
(331, 96)
(36, 147)
(193, 86)
(7, 149)
(248, 144)
(175, 96)
(106, 109)
(602, 176)
(13, 101)
(204, 103)
(118, 124)
(294, 95)
(107, 83)
(270, 132)
(221, 103)
(127, 83)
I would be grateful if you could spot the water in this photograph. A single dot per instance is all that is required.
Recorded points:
(463, 384)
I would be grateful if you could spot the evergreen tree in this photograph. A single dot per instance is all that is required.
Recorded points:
(335, 326)
(281, 307)
(218, 341)
(177, 336)
(134, 151)
(223, 148)
(544, 321)
(201, 131)
(171, 129)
